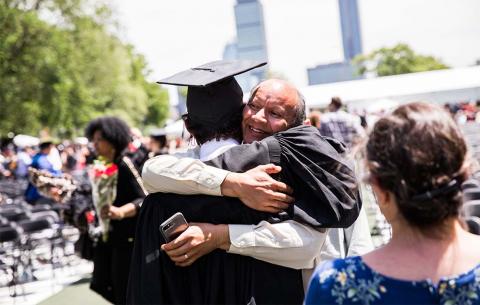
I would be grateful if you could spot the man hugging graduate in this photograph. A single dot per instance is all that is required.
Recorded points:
(323, 184)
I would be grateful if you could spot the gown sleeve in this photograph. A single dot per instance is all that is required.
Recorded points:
(322, 178)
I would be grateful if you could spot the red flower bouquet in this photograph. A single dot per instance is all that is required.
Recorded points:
(103, 177)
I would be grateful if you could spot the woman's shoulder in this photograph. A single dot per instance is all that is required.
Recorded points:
(337, 280)
(339, 269)
(351, 281)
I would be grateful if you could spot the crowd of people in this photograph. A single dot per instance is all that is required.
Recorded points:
(74, 156)
(464, 112)
(272, 197)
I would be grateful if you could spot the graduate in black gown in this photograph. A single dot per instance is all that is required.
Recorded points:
(325, 189)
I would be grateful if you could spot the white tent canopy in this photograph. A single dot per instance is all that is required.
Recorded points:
(22, 141)
(436, 86)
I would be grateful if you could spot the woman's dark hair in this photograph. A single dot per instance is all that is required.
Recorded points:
(230, 128)
(115, 131)
(419, 154)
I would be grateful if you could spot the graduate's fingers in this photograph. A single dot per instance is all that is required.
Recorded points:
(276, 210)
(279, 205)
(191, 259)
(183, 238)
(281, 187)
(188, 258)
(270, 168)
(281, 197)
(180, 251)
(185, 264)
(180, 259)
(192, 255)
(174, 244)
(272, 209)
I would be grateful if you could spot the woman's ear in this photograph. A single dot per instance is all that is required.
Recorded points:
(382, 196)
(307, 122)
(386, 203)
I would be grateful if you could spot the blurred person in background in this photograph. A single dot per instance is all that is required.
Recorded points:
(158, 143)
(314, 118)
(347, 128)
(137, 148)
(110, 137)
(81, 152)
(41, 161)
(55, 158)
(341, 125)
(7, 161)
(417, 158)
(24, 159)
(4, 172)
(69, 157)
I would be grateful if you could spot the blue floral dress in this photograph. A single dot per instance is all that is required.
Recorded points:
(350, 281)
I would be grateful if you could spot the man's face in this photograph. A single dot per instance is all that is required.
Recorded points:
(271, 110)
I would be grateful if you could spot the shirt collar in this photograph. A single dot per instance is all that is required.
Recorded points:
(213, 148)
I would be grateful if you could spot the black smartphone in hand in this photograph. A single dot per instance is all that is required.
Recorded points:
(173, 227)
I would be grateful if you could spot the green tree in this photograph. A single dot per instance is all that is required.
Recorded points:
(400, 59)
(62, 71)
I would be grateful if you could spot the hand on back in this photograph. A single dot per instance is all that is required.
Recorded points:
(258, 190)
(198, 240)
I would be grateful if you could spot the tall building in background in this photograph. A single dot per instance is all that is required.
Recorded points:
(351, 36)
(230, 51)
(352, 46)
(250, 42)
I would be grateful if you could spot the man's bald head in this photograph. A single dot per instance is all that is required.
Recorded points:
(275, 105)
(286, 89)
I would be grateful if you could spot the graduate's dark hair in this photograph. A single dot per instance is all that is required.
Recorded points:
(229, 128)
(418, 154)
(113, 130)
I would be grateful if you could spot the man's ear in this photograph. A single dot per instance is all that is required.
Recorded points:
(307, 122)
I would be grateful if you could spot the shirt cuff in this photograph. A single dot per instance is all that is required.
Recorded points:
(241, 236)
(211, 179)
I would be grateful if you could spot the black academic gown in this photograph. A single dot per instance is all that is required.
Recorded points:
(325, 189)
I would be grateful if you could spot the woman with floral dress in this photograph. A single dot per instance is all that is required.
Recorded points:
(417, 161)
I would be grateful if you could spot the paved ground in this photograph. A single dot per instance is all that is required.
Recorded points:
(68, 285)
(77, 293)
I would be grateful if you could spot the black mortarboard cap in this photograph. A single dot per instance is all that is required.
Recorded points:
(213, 93)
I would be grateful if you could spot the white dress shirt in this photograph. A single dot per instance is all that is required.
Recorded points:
(288, 243)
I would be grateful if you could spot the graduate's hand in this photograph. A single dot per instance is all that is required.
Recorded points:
(257, 190)
(199, 239)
